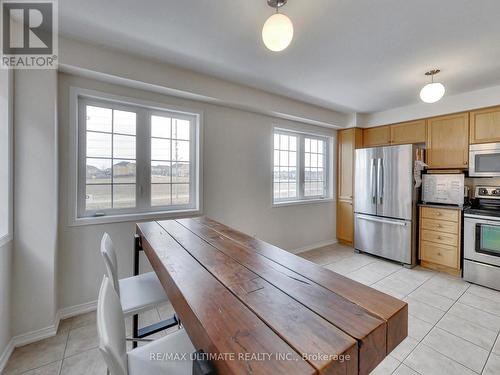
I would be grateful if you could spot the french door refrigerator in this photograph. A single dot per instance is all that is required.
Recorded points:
(385, 203)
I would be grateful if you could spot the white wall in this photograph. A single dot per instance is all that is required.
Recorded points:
(6, 214)
(237, 191)
(82, 58)
(5, 297)
(35, 201)
(449, 104)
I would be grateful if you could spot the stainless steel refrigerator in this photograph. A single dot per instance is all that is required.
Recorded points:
(385, 203)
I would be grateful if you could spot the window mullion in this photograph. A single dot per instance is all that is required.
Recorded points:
(301, 166)
(143, 150)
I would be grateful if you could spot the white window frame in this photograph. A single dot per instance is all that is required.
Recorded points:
(79, 98)
(328, 160)
(8, 153)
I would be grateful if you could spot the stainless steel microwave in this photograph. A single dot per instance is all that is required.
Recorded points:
(443, 188)
(484, 160)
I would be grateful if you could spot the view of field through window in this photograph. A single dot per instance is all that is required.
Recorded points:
(111, 161)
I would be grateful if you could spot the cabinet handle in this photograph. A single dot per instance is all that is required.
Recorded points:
(440, 238)
(438, 214)
(440, 254)
(465, 163)
(439, 226)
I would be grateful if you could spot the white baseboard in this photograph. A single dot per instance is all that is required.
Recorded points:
(313, 246)
(4, 357)
(43, 333)
(71, 311)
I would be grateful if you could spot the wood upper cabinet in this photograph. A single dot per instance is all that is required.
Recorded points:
(379, 136)
(485, 125)
(448, 141)
(408, 132)
(347, 141)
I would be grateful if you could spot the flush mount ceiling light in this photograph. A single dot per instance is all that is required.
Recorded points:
(434, 91)
(277, 32)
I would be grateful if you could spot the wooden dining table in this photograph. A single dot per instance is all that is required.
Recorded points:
(254, 308)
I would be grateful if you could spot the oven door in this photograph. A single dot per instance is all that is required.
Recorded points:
(484, 160)
(482, 240)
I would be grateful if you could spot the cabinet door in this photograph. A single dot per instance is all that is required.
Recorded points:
(345, 222)
(408, 132)
(347, 141)
(448, 141)
(379, 136)
(485, 125)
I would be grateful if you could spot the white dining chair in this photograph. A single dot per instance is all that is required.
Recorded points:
(152, 358)
(137, 293)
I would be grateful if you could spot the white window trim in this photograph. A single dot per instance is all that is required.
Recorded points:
(73, 170)
(6, 238)
(329, 142)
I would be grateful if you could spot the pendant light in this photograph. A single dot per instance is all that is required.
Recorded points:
(277, 32)
(434, 91)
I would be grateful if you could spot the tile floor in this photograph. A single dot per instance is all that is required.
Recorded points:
(453, 326)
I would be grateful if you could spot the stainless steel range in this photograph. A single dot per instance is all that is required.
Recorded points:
(482, 238)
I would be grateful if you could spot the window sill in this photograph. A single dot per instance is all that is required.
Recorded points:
(301, 202)
(111, 219)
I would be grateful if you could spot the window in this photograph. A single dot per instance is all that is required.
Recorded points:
(135, 159)
(301, 167)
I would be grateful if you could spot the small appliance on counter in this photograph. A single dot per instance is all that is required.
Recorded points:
(482, 238)
(443, 188)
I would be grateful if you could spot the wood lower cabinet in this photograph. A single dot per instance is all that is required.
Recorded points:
(345, 222)
(347, 141)
(440, 239)
(485, 125)
(379, 136)
(448, 142)
(408, 132)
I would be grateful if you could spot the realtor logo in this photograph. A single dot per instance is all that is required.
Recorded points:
(29, 34)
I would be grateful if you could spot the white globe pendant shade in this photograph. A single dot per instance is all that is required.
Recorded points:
(432, 92)
(277, 32)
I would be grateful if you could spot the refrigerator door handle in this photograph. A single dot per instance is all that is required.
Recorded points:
(382, 220)
(373, 179)
(380, 179)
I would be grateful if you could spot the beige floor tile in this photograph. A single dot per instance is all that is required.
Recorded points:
(166, 311)
(325, 255)
(147, 318)
(486, 304)
(427, 361)
(50, 369)
(485, 338)
(364, 276)
(398, 286)
(81, 320)
(81, 339)
(424, 311)
(446, 286)
(492, 366)
(432, 299)
(476, 316)
(404, 349)
(481, 291)
(496, 348)
(456, 348)
(89, 362)
(404, 370)
(37, 354)
(418, 328)
(387, 290)
(383, 267)
(350, 264)
(387, 366)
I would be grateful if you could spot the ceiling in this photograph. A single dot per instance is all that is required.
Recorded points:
(360, 56)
